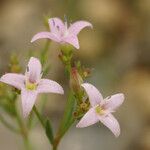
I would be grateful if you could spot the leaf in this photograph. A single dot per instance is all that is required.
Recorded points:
(49, 131)
(68, 115)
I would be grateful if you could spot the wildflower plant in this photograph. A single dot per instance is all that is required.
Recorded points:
(85, 105)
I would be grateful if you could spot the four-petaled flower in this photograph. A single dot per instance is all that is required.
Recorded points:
(31, 84)
(101, 109)
(61, 33)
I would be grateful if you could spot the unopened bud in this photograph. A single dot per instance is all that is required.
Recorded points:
(75, 80)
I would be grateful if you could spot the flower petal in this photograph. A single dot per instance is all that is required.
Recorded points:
(16, 80)
(28, 98)
(114, 101)
(95, 97)
(45, 35)
(73, 40)
(110, 122)
(49, 86)
(33, 72)
(76, 27)
(56, 23)
(88, 119)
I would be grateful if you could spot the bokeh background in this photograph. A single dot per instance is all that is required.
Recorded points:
(117, 50)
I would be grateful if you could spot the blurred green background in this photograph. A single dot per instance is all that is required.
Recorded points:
(117, 50)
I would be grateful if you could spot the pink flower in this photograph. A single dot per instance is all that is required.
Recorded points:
(61, 33)
(31, 84)
(101, 109)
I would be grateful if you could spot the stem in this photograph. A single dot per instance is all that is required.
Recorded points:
(67, 120)
(59, 136)
(54, 147)
(23, 131)
(39, 117)
(46, 126)
(26, 143)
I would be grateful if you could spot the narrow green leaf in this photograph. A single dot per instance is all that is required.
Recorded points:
(49, 131)
(68, 115)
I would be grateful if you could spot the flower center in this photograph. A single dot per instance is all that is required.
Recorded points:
(66, 33)
(99, 110)
(31, 86)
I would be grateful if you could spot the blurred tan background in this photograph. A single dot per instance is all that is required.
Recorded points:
(118, 50)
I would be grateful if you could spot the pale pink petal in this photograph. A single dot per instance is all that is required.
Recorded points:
(73, 40)
(56, 23)
(33, 71)
(76, 27)
(110, 122)
(49, 86)
(16, 80)
(45, 35)
(88, 119)
(95, 97)
(114, 101)
(28, 98)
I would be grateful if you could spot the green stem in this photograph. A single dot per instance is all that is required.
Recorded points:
(26, 143)
(23, 131)
(59, 136)
(46, 126)
(39, 117)
(67, 120)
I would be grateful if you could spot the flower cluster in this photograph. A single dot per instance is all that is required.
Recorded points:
(90, 106)
(101, 109)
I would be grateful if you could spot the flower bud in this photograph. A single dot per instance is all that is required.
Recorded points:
(75, 80)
